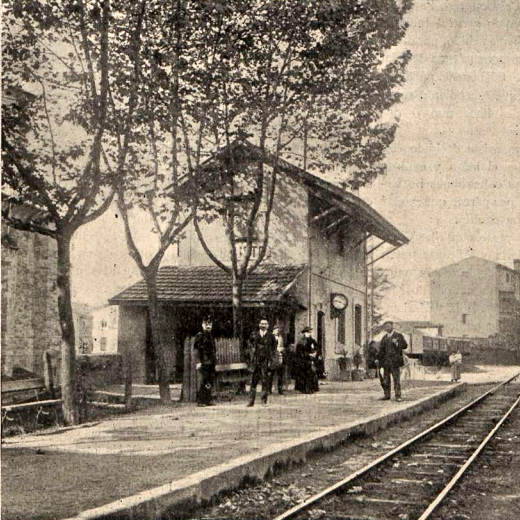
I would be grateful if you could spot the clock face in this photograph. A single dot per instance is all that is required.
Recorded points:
(339, 301)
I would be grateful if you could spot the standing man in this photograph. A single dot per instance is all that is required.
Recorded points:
(307, 353)
(206, 349)
(278, 362)
(262, 346)
(390, 358)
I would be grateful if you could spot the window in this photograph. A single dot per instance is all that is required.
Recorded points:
(340, 243)
(508, 277)
(103, 344)
(103, 324)
(358, 324)
(464, 318)
(340, 320)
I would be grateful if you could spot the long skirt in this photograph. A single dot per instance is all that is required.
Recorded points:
(306, 380)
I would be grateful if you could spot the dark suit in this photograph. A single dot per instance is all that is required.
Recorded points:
(206, 348)
(261, 352)
(390, 358)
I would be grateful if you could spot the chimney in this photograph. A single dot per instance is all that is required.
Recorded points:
(516, 264)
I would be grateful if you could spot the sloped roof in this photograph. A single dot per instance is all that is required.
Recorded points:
(210, 284)
(347, 202)
(473, 258)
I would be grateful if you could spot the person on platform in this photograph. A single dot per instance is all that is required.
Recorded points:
(455, 364)
(278, 363)
(372, 352)
(262, 346)
(306, 354)
(206, 348)
(390, 358)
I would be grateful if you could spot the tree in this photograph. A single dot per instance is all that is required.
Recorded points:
(379, 285)
(52, 148)
(311, 73)
(182, 53)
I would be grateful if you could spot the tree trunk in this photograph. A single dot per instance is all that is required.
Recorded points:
(68, 352)
(238, 324)
(128, 367)
(158, 345)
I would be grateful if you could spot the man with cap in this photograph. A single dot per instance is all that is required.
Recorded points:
(206, 349)
(306, 354)
(262, 346)
(390, 358)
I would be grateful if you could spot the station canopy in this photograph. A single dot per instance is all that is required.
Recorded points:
(211, 285)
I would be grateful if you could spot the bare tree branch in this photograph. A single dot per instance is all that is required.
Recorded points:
(93, 215)
(207, 250)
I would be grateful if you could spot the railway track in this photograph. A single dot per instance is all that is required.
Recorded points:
(412, 480)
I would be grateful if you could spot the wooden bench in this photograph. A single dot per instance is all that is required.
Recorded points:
(231, 373)
(38, 405)
(230, 368)
(15, 391)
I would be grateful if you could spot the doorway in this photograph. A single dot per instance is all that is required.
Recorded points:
(321, 332)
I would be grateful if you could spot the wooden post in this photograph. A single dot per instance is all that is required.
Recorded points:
(128, 371)
(189, 382)
(47, 373)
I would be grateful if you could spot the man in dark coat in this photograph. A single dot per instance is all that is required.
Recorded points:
(262, 347)
(307, 352)
(390, 358)
(206, 349)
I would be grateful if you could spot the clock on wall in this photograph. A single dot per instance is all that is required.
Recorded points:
(338, 303)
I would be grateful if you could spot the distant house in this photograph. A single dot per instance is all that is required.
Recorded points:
(82, 327)
(30, 323)
(104, 329)
(314, 273)
(476, 298)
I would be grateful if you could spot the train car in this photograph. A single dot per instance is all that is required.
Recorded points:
(436, 349)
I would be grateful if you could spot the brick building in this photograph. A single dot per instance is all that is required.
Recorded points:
(30, 323)
(317, 254)
(476, 298)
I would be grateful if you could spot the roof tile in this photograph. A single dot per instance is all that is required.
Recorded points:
(211, 284)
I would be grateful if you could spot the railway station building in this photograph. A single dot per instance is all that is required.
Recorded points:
(314, 273)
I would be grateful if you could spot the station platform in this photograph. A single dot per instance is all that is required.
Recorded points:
(143, 464)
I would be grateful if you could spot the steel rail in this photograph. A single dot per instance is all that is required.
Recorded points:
(451, 484)
(299, 508)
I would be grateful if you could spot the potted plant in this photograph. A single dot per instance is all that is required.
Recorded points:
(357, 360)
(344, 364)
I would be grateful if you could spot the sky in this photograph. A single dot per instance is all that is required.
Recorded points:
(453, 181)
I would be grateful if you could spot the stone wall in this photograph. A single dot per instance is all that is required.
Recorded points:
(30, 323)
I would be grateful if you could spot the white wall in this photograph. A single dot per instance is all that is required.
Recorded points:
(468, 287)
(104, 330)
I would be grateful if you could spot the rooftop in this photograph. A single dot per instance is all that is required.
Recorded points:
(210, 284)
(349, 204)
(478, 259)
